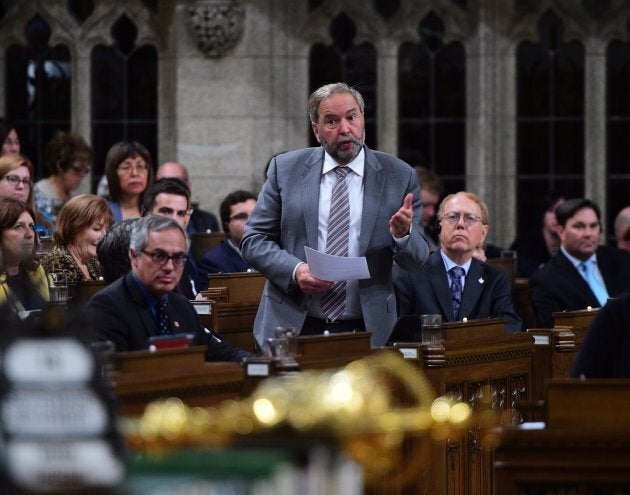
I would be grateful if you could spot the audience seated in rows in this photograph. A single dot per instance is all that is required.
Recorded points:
(483, 291)
(200, 220)
(81, 224)
(226, 257)
(582, 273)
(171, 198)
(141, 304)
(67, 158)
(23, 282)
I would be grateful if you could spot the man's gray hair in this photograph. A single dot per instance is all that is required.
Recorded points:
(153, 223)
(324, 92)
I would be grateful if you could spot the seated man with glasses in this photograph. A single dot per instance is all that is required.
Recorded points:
(453, 282)
(226, 257)
(171, 198)
(141, 304)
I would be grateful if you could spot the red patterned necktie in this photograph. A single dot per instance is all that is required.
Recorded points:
(334, 300)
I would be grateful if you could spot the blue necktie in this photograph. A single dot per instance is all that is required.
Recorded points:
(164, 324)
(334, 301)
(456, 273)
(598, 287)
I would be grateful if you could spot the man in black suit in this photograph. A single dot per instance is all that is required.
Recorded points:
(582, 273)
(485, 289)
(226, 256)
(141, 304)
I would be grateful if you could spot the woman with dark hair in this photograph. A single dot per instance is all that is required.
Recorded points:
(129, 172)
(67, 158)
(23, 282)
(9, 138)
(81, 224)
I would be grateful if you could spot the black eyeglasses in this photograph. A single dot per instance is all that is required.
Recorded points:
(14, 180)
(160, 257)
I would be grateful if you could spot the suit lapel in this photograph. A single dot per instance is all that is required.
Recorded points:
(439, 282)
(311, 178)
(574, 279)
(373, 185)
(473, 288)
(142, 310)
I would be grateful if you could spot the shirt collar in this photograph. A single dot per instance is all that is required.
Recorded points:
(357, 165)
(148, 297)
(449, 263)
(577, 262)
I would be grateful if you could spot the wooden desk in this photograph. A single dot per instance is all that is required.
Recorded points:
(557, 348)
(143, 376)
(463, 366)
(242, 287)
(584, 448)
(81, 292)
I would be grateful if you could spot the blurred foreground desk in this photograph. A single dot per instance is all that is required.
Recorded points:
(143, 376)
(477, 363)
(583, 448)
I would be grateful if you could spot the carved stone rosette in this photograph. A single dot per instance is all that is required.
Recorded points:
(216, 25)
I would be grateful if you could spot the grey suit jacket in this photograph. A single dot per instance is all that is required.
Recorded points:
(285, 220)
(487, 293)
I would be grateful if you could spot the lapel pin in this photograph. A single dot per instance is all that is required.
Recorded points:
(176, 324)
(481, 280)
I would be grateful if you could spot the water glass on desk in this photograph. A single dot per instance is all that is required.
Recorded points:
(431, 328)
(58, 287)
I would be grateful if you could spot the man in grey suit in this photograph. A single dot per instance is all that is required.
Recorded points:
(485, 289)
(292, 212)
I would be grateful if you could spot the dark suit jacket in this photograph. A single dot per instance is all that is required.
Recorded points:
(558, 286)
(606, 347)
(202, 221)
(120, 313)
(222, 258)
(487, 293)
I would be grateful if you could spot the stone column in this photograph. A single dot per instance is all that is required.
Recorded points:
(491, 122)
(595, 124)
(387, 98)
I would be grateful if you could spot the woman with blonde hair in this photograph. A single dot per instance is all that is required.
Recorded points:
(81, 224)
(23, 282)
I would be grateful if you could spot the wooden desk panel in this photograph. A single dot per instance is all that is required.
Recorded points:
(242, 287)
(584, 448)
(144, 376)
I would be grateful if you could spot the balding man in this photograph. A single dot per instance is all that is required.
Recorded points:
(200, 220)
(622, 229)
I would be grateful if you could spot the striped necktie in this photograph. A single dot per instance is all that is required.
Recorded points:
(334, 300)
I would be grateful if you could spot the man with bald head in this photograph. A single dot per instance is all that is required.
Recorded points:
(622, 229)
(200, 220)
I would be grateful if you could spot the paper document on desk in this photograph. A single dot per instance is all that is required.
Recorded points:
(334, 268)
